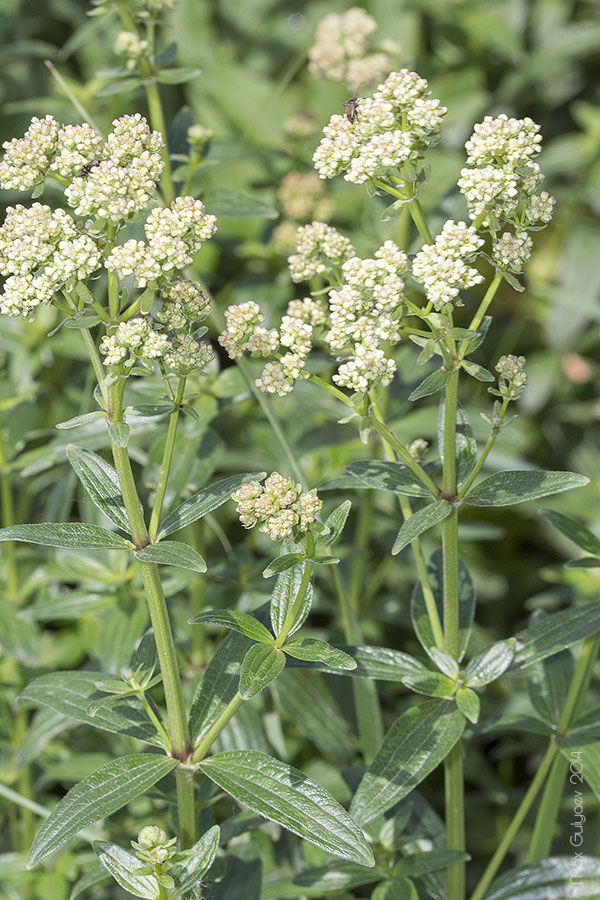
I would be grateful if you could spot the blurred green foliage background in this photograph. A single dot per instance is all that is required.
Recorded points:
(523, 57)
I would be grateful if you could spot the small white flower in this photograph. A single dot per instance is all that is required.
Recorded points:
(319, 249)
(130, 44)
(441, 267)
(27, 159)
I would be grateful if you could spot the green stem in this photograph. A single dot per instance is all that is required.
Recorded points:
(8, 518)
(419, 220)
(453, 764)
(518, 819)
(155, 720)
(217, 727)
(167, 459)
(484, 455)
(545, 823)
(366, 700)
(84, 293)
(483, 306)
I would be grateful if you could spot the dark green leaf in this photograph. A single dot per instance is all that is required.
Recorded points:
(237, 621)
(573, 530)
(584, 761)
(337, 877)
(551, 879)
(430, 861)
(388, 476)
(285, 795)
(413, 747)
(313, 651)
(194, 863)
(205, 501)
(262, 664)
(507, 488)
(585, 562)
(101, 482)
(548, 683)
(72, 535)
(432, 684)
(555, 632)
(305, 702)
(284, 593)
(420, 521)
(219, 684)
(397, 888)
(466, 445)
(179, 75)
(378, 663)
(433, 384)
(172, 553)
(71, 693)
(71, 605)
(283, 563)
(335, 523)
(97, 796)
(122, 865)
(490, 663)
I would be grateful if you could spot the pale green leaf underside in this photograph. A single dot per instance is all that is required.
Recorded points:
(554, 633)
(100, 794)
(199, 859)
(388, 476)
(421, 521)
(172, 553)
(287, 796)
(319, 651)
(262, 664)
(236, 621)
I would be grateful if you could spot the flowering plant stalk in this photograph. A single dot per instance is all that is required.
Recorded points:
(112, 257)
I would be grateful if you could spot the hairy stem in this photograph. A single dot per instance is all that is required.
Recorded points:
(165, 466)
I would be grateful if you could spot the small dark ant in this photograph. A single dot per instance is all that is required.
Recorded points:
(85, 170)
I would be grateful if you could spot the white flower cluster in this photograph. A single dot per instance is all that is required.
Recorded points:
(442, 267)
(183, 303)
(390, 129)
(137, 338)
(512, 251)
(78, 146)
(501, 177)
(174, 234)
(41, 251)
(312, 310)
(244, 332)
(513, 376)
(320, 249)
(186, 354)
(368, 367)
(341, 51)
(122, 182)
(279, 377)
(27, 159)
(301, 197)
(130, 45)
(279, 506)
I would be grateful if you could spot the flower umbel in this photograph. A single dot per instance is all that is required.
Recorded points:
(279, 507)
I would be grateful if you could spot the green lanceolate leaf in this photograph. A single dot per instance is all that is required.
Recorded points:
(122, 865)
(508, 488)
(466, 597)
(172, 553)
(285, 795)
(97, 796)
(262, 664)
(551, 879)
(305, 701)
(204, 502)
(388, 476)
(337, 877)
(194, 863)
(466, 445)
(101, 482)
(236, 621)
(177, 75)
(319, 651)
(445, 663)
(379, 663)
(431, 684)
(234, 203)
(73, 605)
(477, 371)
(84, 419)
(71, 535)
(490, 663)
(414, 746)
(219, 684)
(284, 593)
(554, 633)
(548, 682)
(72, 693)
(283, 563)
(573, 530)
(585, 562)
(335, 524)
(430, 861)
(468, 703)
(433, 384)
(585, 763)
(420, 521)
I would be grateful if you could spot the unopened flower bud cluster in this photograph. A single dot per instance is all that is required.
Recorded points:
(245, 333)
(392, 128)
(513, 376)
(279, 507)
(41, 251)
(130, 45)
(501, 176)
(442, 267)
(341, 50)
(153, 845)
(512, 251)
(301, 198)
